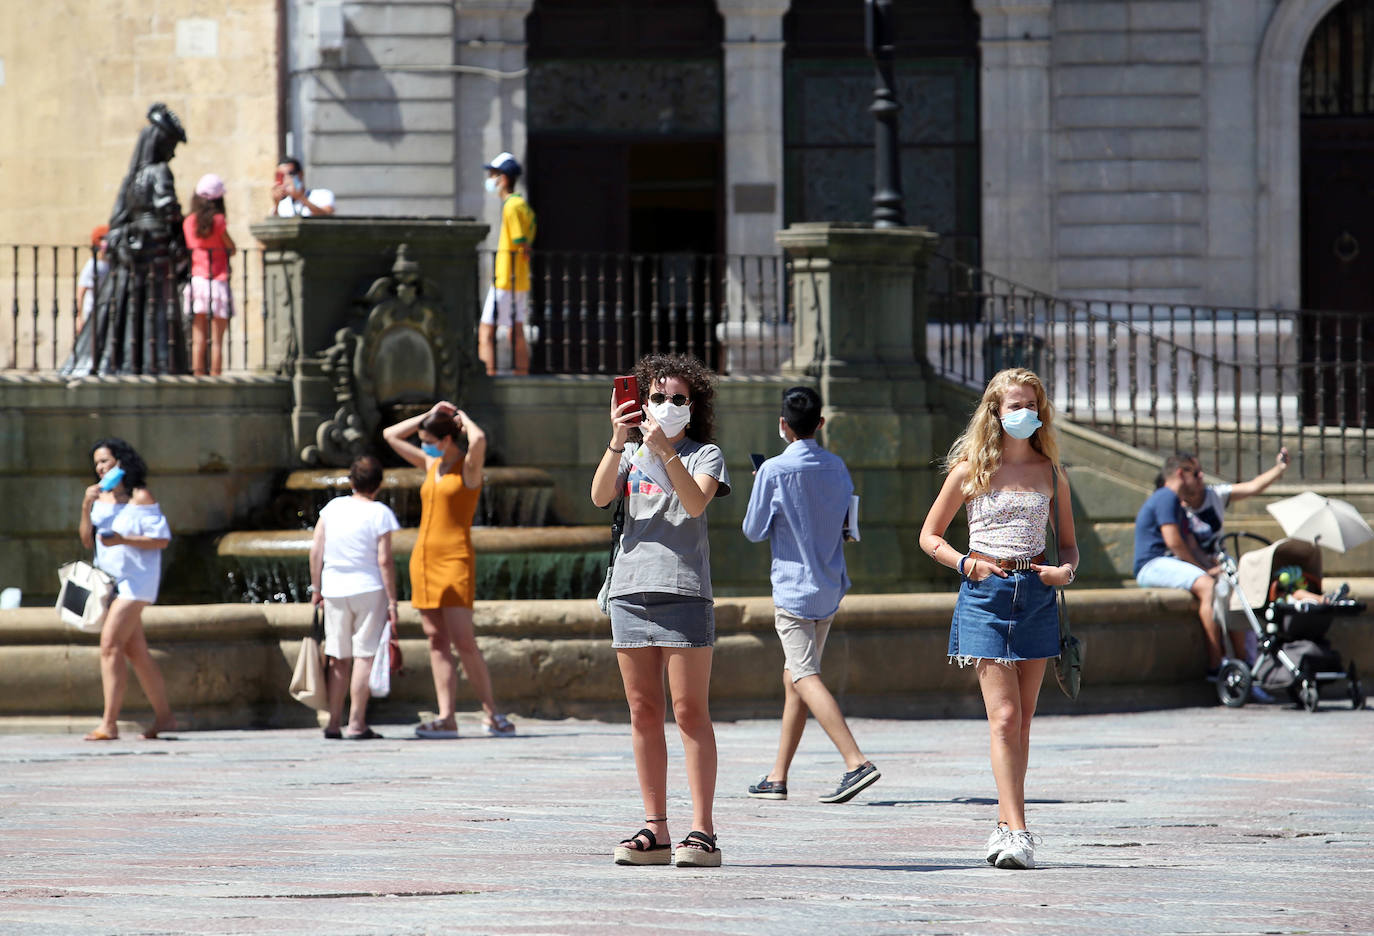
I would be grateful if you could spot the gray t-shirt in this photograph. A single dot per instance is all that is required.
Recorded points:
(663, 549)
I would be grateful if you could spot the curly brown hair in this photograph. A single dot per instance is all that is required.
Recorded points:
(701, 379)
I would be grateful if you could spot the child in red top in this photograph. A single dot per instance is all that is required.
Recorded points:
(209, 293)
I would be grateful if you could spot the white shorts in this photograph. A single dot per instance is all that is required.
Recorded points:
(502, 304)
(353, 625)
(207, 296)
(803, 642)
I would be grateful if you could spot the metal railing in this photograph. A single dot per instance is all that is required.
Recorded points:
(600, 312)
(40, 311)
(1230, 384)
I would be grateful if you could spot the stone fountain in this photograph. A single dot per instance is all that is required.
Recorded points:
(366, 357)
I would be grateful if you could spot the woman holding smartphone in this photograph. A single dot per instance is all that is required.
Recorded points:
(443, 567)
(123, 523)
(662, 612)
(1004, 471)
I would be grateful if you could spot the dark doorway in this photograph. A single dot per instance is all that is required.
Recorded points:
(625, 125)
(1337, 96)
(626, 170)
(627, 196)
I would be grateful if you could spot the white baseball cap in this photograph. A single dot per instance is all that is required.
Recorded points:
(504, 162)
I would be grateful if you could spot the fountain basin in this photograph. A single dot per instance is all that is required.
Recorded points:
(512, 562)
(511, 497)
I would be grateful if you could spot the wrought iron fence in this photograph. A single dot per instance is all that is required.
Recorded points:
(43, 303)
(600, 312)
(1229, 384)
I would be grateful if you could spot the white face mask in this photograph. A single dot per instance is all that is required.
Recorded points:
(782, 434)
(490, 183)
(672, 418)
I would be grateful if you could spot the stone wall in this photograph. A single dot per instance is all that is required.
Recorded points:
(1124, 145)
(78, 79)
(372, 114)
(215, 448)
(229, 665)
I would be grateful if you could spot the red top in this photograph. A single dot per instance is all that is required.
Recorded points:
(209, 255)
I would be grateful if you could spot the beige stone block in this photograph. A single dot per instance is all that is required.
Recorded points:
(153, 78)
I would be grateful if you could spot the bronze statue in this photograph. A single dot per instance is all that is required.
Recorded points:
(136, 325)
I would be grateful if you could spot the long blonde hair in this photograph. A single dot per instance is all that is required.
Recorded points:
(980, 444)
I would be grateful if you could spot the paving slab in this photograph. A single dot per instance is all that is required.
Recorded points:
(1196, 821)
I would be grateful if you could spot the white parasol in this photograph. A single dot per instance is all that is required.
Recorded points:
(1326, 521)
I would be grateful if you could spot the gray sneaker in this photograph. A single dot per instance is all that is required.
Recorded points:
(1020, 851)
(860, 778)
(998, 840)
(768, 789)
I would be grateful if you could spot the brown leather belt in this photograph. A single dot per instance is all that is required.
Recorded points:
(1009, 565)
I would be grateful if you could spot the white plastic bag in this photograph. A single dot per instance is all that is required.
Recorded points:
(85, 596)
(379, 682)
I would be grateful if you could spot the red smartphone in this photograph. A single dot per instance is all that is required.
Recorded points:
(627, 388)
(279, 177)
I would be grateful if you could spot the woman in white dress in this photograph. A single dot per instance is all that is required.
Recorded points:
(121, 520)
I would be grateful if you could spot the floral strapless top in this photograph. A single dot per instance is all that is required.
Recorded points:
(1008, 524)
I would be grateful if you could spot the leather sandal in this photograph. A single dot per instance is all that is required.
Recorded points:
(437, 729)
(633, 851)
(697, 850)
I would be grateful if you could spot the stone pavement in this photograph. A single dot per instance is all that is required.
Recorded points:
(1194, 821)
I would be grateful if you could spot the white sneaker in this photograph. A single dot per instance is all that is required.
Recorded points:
(998, 840)
(1019, 852)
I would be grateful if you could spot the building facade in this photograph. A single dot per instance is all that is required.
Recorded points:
(1212, 152)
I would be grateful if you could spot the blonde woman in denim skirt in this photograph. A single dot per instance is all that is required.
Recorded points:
(662, 612)
(1002, 470)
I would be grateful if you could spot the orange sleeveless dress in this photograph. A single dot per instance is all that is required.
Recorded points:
(443, 567)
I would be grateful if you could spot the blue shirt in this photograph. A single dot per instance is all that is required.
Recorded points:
(798, 504)
(1161, 507)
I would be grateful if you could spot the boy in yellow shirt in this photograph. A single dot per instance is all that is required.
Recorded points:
(508, 298)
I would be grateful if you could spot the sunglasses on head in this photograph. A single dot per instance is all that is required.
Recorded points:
(677, 399)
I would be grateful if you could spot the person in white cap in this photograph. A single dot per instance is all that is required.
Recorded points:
(509, 296)
(209, 297)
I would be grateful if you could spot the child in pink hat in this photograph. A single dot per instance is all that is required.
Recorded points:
(209, 297)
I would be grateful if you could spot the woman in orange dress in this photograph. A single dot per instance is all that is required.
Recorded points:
(443, 568)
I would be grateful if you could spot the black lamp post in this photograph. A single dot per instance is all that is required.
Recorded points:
(887, 177)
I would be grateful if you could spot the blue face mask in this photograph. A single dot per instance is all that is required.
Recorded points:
(112, 479)
(1021, 424)
(433, 451)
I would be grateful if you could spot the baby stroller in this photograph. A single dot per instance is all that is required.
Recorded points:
(1294, 654)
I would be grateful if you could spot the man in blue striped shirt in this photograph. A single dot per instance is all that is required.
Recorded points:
(798, 504)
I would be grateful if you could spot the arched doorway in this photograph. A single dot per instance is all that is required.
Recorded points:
(1336, 103)
(1336, 88)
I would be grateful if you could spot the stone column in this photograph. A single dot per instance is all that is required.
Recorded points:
(490, 37)
(859, 295)
(1017, 152)
(753, 123)
(753, 177)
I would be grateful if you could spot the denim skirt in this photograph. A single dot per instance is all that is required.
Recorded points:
(656, 619)
(1005, 619)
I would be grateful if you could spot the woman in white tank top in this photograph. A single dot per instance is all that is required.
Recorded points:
(1004, 470)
